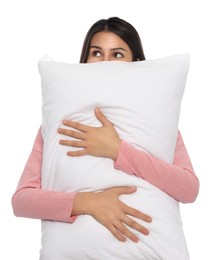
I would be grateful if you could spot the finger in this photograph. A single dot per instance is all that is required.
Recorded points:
(77, 153)
(75, 125)
(79, 144)
(126, 232)
(135, 225)
(116, 233)
(71, 133)
(125, 190)
(101, 117)
(137, 214)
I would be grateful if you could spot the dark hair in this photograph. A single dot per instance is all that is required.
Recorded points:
(121, 28)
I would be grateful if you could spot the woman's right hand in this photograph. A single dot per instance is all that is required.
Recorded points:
(107, 209)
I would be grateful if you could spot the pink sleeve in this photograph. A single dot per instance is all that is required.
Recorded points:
(31, 201)
(177, 179)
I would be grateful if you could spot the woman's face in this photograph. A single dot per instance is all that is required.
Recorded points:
(107, 46)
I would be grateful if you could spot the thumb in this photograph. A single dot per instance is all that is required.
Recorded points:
(125, 190)
(101, 117)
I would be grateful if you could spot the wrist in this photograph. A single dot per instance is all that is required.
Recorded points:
(82, 203)
(116, 148)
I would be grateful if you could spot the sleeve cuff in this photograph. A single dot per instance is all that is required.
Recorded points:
(121, 162)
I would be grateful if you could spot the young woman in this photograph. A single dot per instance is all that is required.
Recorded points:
(107, 40)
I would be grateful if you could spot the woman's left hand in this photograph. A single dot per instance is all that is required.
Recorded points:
(96, 141)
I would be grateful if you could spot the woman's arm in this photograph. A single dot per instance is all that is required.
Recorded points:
(30, 201)
(177, 179)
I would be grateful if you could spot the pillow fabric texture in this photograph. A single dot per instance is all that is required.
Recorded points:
(143, 101)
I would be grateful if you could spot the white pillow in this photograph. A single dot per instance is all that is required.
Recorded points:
(142, 99)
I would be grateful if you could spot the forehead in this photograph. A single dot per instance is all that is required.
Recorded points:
(108, 38)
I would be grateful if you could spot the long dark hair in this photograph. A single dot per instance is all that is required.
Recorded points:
(121, 28)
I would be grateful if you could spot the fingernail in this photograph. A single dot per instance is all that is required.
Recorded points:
(136, 240)
(146, 232)
(149, 219)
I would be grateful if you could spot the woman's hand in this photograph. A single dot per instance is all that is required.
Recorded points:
(107, 209)
(96, 141)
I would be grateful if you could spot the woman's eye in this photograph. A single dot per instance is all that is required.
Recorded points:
(96, 53)
(118, 55)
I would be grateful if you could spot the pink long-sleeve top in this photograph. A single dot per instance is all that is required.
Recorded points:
(177, 179)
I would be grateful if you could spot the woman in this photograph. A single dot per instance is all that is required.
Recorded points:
(111, 39)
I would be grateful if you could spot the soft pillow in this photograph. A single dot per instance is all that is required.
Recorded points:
(142, 99)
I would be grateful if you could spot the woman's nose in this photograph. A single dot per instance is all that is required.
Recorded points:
(106, 57)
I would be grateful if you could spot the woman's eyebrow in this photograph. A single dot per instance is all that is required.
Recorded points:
(95, 46)
(119, 48)
(113, 49)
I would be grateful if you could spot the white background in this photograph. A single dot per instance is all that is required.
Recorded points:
(29, 29)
